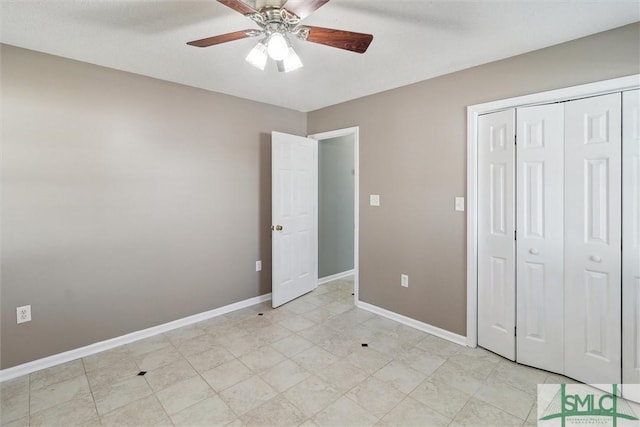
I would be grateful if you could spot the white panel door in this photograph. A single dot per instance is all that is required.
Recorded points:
(631, 242)
(496, 245)
(593, 240)
(294, 186)
(540, 236)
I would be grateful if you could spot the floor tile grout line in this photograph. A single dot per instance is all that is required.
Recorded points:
(199, 374)
(50, 385)
(163, 409)
(29, 400)
(533, 407)
(485, 382)
(494, 407)
(370, 376)
(95, 404)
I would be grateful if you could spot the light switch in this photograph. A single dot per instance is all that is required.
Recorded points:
(374, 199)
(460, 204)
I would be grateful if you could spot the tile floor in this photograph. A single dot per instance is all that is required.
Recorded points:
(301, 364)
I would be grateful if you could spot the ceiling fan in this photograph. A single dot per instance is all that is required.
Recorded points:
(277, 23)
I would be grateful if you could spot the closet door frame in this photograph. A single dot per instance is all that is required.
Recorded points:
(473, 111)
(631, 246)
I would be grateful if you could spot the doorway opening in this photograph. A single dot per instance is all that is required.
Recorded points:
(338, 196)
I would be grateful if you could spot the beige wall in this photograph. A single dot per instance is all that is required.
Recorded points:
(413, 153)
(127, 202)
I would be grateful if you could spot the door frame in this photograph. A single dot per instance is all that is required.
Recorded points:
(473, 111)
(355, 131)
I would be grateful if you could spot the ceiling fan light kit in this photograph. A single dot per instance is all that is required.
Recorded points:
(276, 24)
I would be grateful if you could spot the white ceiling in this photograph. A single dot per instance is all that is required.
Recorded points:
(413, 40)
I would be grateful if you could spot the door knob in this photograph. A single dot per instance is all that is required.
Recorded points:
(279, 227)
(595, 258)
(534, 251)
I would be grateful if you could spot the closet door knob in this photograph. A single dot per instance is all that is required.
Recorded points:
(595, 258)
(534, 251)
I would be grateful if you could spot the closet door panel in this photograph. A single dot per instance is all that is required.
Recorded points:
(631, 240)
(539, 224)
(593, 239)
(496, 247)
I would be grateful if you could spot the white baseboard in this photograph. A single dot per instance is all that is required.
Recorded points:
(416, 324)
(67, 356)
(337, 276)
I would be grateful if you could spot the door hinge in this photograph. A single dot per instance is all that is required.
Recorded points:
(515, 331)
(515, 234)
(515, 139)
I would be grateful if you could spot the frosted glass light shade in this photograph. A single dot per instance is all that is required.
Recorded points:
(258, 56)
(277, 47)
(291, 62)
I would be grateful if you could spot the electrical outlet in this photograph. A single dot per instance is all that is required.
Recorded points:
(258, 265)
(23, 314)
(404, 280)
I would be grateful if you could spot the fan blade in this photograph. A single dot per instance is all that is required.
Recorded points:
(303, 8)
(348, 40)
(223, 38)
(239, 6)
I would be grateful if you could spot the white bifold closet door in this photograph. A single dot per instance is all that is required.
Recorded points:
(593, 239)
(539, 220)
(560, 281)
(631, 242)
(496, 246)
